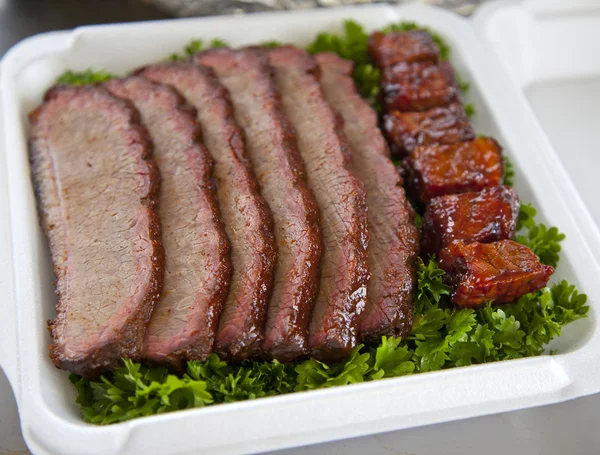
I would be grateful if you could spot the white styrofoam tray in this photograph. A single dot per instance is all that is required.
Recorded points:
(50, 419)
(551, 50)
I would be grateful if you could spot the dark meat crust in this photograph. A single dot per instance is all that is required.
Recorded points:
(498, 272)
(440, 125)
(247, 218)
(485, 217)
(126, 340)
(394, 237)
(387, 49)
(271, 144)
(197, 267)
(436, 170)
(342, 203)
(418, 86)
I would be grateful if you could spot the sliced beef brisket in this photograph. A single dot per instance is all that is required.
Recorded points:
(97, 189)
(197, 266)
(342, 203)
(394, 238)
(244, 212)
(271, 145)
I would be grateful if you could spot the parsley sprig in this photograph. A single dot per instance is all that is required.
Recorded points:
(543, 240)
(87, 77)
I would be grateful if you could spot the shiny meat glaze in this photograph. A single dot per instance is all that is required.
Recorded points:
(440, 125)
(485, 216)
(271, 145)
(387, 49)
(436, 170)
(394, 238)
(97, 189)
(197, 266)
(244, 212)
(342, 203)
(498, 272)
(418, 86)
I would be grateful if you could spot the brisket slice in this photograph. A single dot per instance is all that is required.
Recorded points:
(418, 86)
(245, 213)
(436, 170)
(498, 272)
(440, 125)
(97, 188)
(393, 235)
(197, 267)
(485, 216)
(271, 144)
(342, 202)
(387, 49)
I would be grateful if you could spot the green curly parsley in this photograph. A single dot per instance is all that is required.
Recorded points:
(195, 46)
(544, 241)
(509, 172)
(87, 77)
(442, 335)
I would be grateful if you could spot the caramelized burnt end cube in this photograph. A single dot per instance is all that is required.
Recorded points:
(498, 272)
(418, 86)
(440, 125)
(437, 170)
(387, 49)
(485, 217)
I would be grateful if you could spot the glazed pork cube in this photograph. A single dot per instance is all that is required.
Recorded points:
(387, 49)
(498, 272)
(440, 125)
(485, 216)
(418, 86)
(437, 170)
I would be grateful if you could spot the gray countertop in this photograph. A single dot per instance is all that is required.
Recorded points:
(22, 18)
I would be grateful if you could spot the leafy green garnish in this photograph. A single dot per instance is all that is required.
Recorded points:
(217, 42)
(352, 45)
(271, 43)
(509, 172)
(543, 241)
(470, 110)
(87, 77)
(462, 84)
(195, 46)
